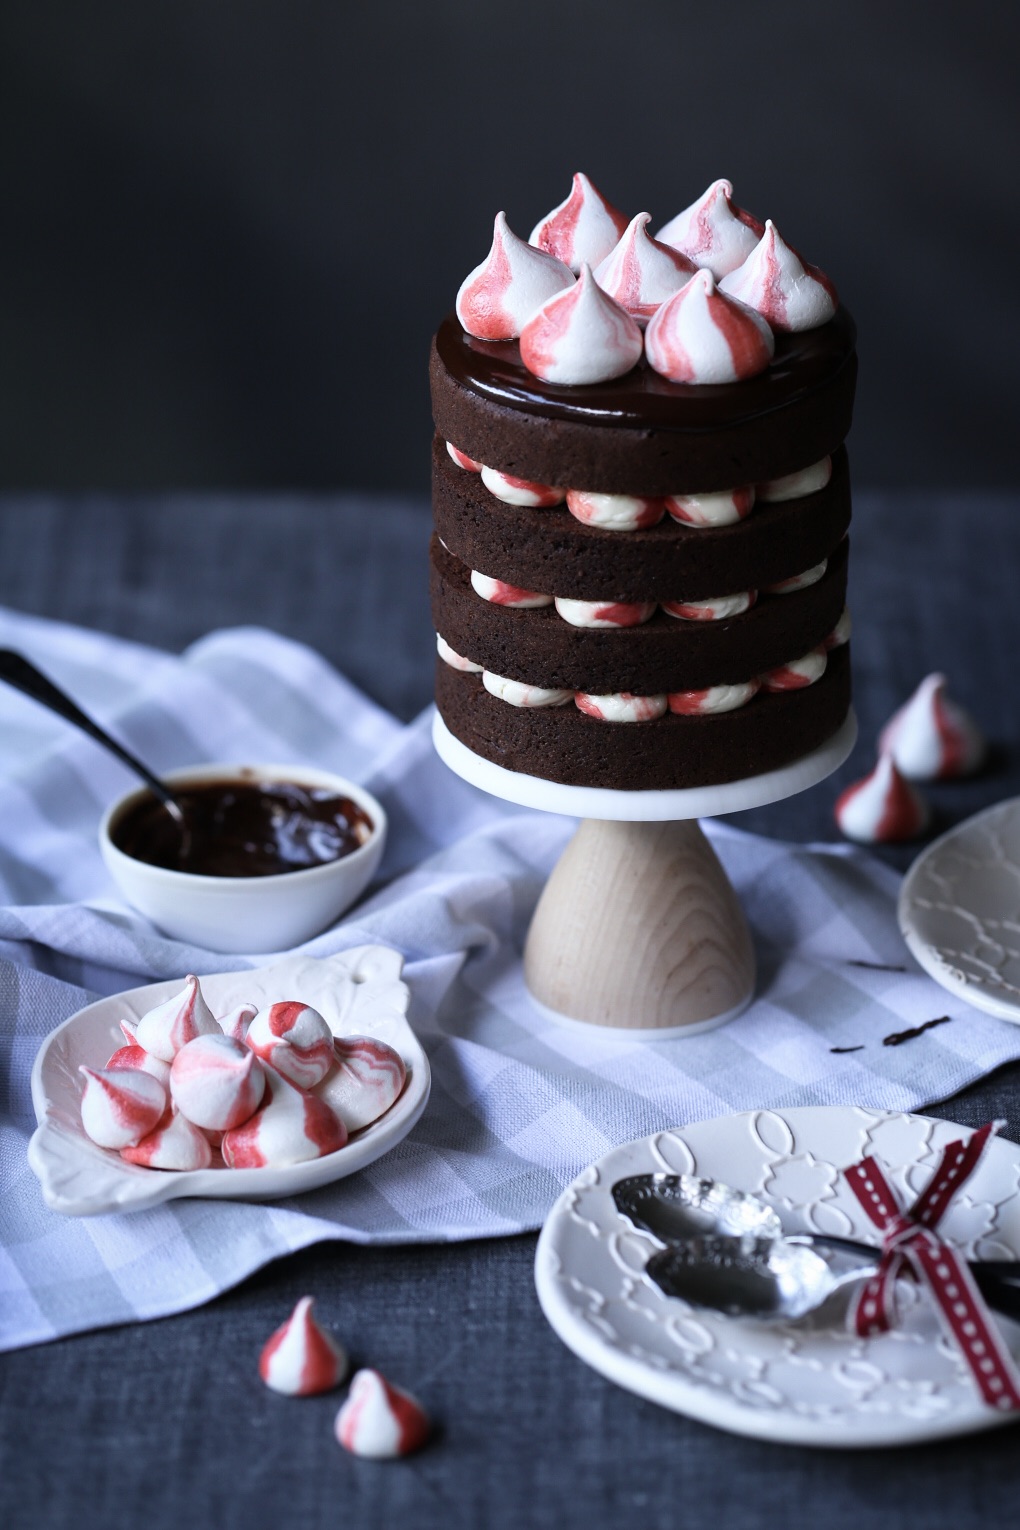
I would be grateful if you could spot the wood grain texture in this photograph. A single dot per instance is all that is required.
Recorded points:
(638, 928)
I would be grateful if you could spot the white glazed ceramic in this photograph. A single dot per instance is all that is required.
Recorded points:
(796, 1383)
(250, 914)
(360, 994)
(959, 910)
(644, 806)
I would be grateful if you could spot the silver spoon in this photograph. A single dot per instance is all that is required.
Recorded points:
(777, 1279)
(23, 676)
(770, 1279)
(676, 1208)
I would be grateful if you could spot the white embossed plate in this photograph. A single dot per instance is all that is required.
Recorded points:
(359, 992)
(790, 1383)
(959, 910)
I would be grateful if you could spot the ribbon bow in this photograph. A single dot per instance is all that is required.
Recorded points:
(909, 1240)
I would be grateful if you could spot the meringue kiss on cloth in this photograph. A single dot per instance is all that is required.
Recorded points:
(883, 808)
(380, 1421)
(931, 738)
(301, 1359)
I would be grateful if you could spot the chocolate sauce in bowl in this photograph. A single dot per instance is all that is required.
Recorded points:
(245, 828)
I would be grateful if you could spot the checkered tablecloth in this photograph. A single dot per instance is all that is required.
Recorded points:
(519, 1105)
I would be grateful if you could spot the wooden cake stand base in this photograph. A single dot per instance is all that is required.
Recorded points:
(638, 929)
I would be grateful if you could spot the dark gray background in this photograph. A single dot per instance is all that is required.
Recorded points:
(230, 227)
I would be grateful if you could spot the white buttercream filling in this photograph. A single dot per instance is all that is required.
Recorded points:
(520, 695)
(521, 491)
(711, 610)
(799, 581)
(796, 485)
(604, 613)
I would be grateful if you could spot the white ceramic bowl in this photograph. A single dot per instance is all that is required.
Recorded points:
(246, 914)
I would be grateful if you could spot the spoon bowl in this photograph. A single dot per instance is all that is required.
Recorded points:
(768, 1279)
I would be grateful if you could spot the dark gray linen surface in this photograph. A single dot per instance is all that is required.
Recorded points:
(164, 1424)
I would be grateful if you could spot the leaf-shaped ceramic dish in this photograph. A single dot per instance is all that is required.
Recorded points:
(359, 992)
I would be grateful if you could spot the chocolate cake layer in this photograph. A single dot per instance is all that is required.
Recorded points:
(552, 551)
(642, 434)
(564, 744)
(664, 654)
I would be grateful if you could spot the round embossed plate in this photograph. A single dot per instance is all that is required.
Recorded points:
(959, 910)
(796, 1383)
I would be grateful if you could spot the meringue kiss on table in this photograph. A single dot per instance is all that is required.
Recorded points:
(252, 1089)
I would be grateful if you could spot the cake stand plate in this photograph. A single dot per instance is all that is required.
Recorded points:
(638, 929)
(645, 806)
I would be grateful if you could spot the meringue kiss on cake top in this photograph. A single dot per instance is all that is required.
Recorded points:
(627, 516)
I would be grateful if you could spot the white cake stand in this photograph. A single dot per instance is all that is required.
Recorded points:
(638, 929)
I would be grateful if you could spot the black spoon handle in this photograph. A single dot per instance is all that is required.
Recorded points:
(1004, 1270)
(18, 672)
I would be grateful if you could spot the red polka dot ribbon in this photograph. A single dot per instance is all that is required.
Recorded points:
(910, 1242)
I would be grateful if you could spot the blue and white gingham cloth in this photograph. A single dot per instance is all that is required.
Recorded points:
(519, 1105)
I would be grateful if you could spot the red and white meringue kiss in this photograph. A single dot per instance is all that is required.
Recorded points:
(798, 673)
(236, 1022)
(518, 694)
(134, 1056)
(621, 707)
(379, 1420)
(711, 610)
(294, 1039)
(521, 491)
(217, 1082)
(605, 613)
(462, 459)
(797, 485)
(120, 1106)
(713, 232)
(717, 698)
(499, 593)
(301, 1359)
(582, 230)
(785, 290)
(581, 336)
(454, 659)
(367, 1079)
(932, 738)
(614, 512)
(292, 1126)
(701, 336)
(500, 296)
(174, 1143)
(640, 273)
(171, 1025)
(724, 507)
(883, 808)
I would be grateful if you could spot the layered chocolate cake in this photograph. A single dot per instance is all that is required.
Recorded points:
(641, 499)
